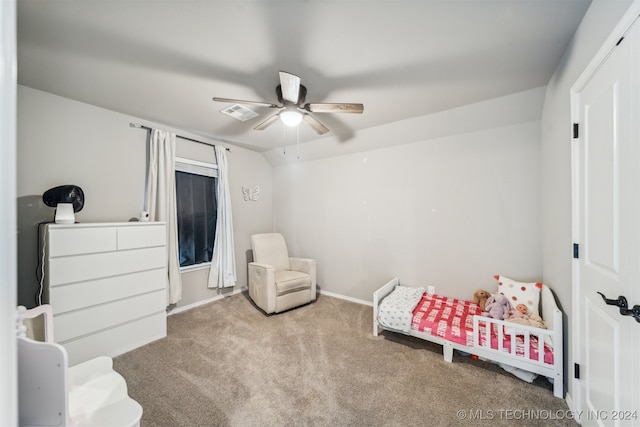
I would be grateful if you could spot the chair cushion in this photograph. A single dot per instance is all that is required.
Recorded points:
(270, 248)
(291, 281)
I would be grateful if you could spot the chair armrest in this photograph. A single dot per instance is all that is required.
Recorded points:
(305, 265)
(262, 286)
(262, 266)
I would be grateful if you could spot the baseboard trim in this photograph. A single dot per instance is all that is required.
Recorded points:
(569, 400)
(244, 288)
(204, 301)
(346, 298)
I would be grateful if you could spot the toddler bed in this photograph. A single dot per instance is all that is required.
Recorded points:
(458, 325)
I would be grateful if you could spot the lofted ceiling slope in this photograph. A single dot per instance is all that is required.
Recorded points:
(163, 61)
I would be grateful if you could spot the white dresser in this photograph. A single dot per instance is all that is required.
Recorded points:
(106, 283)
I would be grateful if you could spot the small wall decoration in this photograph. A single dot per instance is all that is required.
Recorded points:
(251, 193)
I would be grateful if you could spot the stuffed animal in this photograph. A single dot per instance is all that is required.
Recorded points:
(529, 319)
(480, 297)
(498, 307)
(519, 312)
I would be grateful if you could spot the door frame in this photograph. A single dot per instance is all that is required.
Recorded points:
(573, 396)
(8, 220)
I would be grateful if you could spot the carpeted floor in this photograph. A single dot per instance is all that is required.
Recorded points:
(228, 364)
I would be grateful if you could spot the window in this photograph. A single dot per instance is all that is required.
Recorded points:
(196, 205)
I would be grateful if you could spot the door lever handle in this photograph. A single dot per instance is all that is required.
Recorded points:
(620, 302)
(634, 312)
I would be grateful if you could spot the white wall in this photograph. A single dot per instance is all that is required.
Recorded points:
(597, 25)
(61, 141)
(449, 211)
(503, 111)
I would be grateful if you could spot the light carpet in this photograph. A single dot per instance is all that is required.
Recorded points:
(228, 364)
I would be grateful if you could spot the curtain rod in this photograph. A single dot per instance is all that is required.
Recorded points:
(139, 126)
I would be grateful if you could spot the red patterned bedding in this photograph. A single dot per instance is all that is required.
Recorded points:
(452, 319)
(448, 318)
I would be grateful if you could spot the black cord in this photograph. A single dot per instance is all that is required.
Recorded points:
(39, 277)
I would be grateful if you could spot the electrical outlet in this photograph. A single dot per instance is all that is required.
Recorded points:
(431, 290)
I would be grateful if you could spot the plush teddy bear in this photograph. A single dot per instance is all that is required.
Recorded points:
(498, 307)
(480, 297)
(519, 312)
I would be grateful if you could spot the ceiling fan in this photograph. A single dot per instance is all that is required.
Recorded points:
(292, 96)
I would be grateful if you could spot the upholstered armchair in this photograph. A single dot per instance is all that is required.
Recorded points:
(278, 282)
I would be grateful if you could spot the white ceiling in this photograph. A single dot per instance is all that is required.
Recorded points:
(163, 61)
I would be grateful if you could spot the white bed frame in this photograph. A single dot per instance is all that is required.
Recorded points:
(553, 320)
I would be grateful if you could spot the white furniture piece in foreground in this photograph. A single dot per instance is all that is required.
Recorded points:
(276, 281)
(50, 393)
(106, 283)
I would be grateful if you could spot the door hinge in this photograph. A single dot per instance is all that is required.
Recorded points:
(575, 130)
(576, 371)
(576, 250)
(619, 41)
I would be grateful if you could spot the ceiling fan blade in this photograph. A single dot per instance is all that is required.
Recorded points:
(315, 124)
(239, 101)
(265, 124)
(290, 84)
(334, 108)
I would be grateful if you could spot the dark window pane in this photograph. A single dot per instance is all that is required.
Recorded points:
(196, 200)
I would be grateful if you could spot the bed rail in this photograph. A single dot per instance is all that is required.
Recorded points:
(377, 297)
(489, 334)
(553, 335)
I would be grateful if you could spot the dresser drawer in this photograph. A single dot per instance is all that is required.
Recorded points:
(82, 268)
(87, 294)
(78, 323)
(81, 240)
(120, 339)
(141, 236)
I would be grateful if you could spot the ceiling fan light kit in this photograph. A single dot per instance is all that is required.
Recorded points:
(291, 95)
(291, 118)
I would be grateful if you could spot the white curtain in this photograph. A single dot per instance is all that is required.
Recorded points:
(161, 202)
(223, 263)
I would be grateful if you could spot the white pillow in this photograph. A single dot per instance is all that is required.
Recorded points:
(408, 294)
(396, 309)
(520, 293)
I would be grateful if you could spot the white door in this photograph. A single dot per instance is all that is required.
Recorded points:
(607, 201)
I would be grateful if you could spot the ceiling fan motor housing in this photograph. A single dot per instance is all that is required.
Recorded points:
(302, 96)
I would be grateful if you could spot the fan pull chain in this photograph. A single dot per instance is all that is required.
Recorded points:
(284, 139)
(298, 142)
